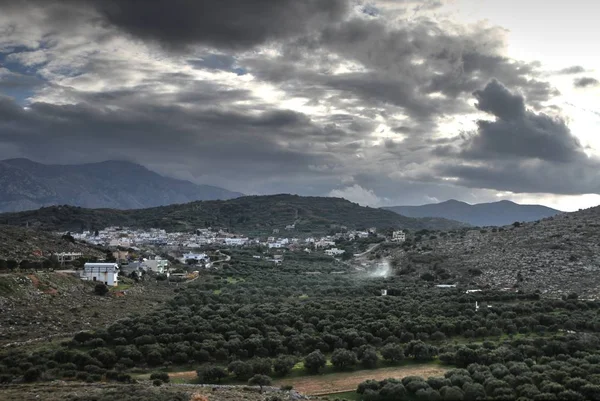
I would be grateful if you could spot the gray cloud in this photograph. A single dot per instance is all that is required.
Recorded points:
(517, 132)
(585, 82)
(224, 23)
(371, 87)
(10, 80)
(576, 69)
(499, 101)
(520, 151)
(527, 177)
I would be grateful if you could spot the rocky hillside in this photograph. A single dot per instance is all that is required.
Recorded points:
(20, 243)
(482, 214)
(79, 391)
(251, 215)
(28, 185)
(43, 304)
(557, 255)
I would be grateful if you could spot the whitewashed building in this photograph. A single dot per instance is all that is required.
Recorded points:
(197, 256)
(334, 252)
(107, 273)
(398, 236)
(236, 241)
(157, 265)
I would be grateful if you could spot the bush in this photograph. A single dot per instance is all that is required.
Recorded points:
(393, 353)
(32, 374)
(284, 365)
(260, 380)
(101, 289)
(209, 374)
(241, 369)
(162, 376)
(343, 358)
(157, 382)
(82, 376)
(315, 361)
(261, 366)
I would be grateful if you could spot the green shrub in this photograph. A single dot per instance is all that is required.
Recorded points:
(162, 376)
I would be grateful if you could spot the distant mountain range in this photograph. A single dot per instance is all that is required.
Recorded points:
(27, 185)
(250, 215)
(482, 214)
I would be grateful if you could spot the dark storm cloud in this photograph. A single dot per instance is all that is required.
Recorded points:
(212, 138)
(527, 177)
(585, 82)
(223, 23)
(111, 96)
(517, 132)
(499, 101)
(520, 151)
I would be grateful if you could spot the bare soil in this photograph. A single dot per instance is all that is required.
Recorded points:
(348, 381)
(342, 381)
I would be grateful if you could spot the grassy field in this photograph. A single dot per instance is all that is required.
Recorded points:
(330, 381)
(345, 395)
(348, 381)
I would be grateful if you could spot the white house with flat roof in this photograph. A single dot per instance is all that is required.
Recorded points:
(107, 273)
(398, 236)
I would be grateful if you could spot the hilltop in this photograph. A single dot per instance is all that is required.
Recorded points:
(481, 214)
(556, 255)
(28, 185)
(22, 243)
(251, 215)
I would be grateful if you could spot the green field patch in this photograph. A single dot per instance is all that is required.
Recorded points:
(344, 395)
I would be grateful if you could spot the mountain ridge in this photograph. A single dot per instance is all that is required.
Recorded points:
(251, 215)
(29, 185)
(498, 213)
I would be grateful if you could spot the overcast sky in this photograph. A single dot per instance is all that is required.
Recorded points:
(384, 102)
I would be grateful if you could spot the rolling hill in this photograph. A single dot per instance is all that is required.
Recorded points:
(482, 214)
(28, 185)
(556, 255)
(252, 215)
(22, 243)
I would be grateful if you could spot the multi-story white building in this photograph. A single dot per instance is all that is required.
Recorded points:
(157, 265)
(107, 273)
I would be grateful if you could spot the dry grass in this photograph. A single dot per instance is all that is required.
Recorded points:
(348, 381)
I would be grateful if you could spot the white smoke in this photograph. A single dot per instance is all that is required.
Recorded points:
(382, 269)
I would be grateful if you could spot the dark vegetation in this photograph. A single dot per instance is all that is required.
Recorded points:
(251, 320)
(37, 247)
(252, 215)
